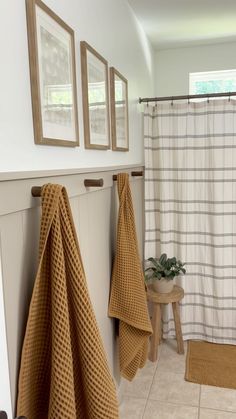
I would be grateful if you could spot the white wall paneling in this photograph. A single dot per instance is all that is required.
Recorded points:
(95, 216)
(5, 391)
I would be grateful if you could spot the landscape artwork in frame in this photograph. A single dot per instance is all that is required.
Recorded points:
(119, 111)
(95, 98)
(53, 77)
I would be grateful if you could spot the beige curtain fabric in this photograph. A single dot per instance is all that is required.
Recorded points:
(190, 210)
(128, 297)
(64, 373)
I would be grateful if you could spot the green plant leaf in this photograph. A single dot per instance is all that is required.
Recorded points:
(154, 262)
(163, 258)
(164, 267)
(168, 272)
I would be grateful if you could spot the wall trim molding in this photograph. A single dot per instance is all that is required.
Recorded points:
(8, 176)
(15, 192)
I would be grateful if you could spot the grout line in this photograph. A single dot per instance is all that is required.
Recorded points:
(173, 404)
(218, 410)
(151, 386)
(200, 392)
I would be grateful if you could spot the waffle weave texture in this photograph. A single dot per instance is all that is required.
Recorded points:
(128, 301)
(64, 372)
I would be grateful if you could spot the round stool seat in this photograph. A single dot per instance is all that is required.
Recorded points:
(171, 297)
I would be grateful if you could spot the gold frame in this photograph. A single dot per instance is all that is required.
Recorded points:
(113, 73)
(84, 47)
(35, 77)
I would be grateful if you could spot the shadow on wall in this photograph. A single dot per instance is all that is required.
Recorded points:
(146, 46)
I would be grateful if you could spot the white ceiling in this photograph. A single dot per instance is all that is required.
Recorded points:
(173, 23)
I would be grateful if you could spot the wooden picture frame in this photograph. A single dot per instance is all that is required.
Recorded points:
(96, 114)
(53, 77)
(119, 111)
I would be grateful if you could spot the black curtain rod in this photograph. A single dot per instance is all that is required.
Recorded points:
(183, 97)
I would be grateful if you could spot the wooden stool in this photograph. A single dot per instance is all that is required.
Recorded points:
(157, 299)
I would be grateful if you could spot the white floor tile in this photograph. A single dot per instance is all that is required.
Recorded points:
(216, 414)
(141, 384)
(169, 395)
(162, 410)
(132, 408)
(171, 387)
(170, 360)
(218, 398)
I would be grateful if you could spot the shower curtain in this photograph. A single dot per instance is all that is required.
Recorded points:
(190, 210)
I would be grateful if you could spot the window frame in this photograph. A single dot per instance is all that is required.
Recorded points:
(209, 76)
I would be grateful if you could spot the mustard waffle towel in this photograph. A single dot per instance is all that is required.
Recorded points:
(64, 373)
(128, 301)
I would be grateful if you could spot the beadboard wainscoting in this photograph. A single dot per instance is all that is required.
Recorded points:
(95, 216)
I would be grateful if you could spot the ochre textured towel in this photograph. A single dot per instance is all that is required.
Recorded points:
(128, 301)
(64, 373)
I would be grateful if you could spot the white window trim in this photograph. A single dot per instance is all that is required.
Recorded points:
(209, 75)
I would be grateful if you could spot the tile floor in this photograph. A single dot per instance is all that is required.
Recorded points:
(160, 392)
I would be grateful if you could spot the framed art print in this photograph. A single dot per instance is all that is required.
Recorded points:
(95, 98)
(119, 111)
(53, 77)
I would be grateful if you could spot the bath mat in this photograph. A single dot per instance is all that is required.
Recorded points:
(211, 364)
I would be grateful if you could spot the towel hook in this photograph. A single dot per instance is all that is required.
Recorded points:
(93, 183)
(36, 192)
(134, 174)
(88, 183)
(137, 173)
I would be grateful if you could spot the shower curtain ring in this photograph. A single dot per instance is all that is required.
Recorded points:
(229, 97)
(172, 101)
(208, 100)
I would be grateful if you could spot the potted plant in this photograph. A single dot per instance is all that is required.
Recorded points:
(162, 272)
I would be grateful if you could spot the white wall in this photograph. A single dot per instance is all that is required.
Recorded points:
(111, 28)
(172, 66)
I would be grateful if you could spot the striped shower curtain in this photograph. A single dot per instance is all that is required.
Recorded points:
(190, 210)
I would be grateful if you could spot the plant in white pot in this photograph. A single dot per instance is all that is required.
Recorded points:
(162, 272)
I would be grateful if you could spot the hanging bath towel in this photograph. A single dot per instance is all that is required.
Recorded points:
(128, 298)
(64, 373)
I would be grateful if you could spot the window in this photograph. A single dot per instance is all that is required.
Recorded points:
(212, 82)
